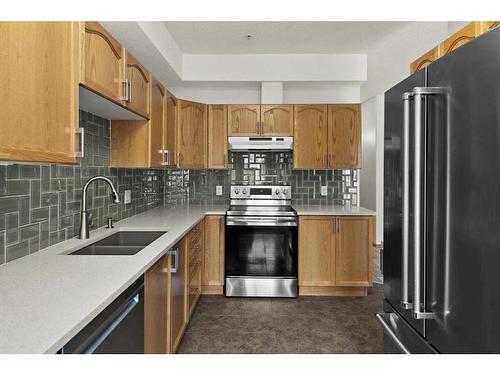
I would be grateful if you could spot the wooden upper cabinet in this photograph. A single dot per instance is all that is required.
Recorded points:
(192, 134)
(213, 264)
(156, 301)
(39, 91)
(170, 130)
(353, 246)
(489, 25)
(425, 60)
(243, 120)
(138, 92)
(344, 136)
(102, 62)
(217, 136)
(461, 37)
(317, 251)
(276, 120)
(157, 124)
(310, 132)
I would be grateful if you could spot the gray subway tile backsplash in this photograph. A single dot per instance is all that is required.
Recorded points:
(40, 204)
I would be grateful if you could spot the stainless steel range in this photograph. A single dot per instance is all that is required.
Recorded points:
(261, 243)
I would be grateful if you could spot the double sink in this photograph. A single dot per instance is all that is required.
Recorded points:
(120, 243)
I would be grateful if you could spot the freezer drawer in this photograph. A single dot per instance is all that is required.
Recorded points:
(399, 336)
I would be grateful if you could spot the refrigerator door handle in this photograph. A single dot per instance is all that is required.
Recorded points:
(405, 299)
(418, 304)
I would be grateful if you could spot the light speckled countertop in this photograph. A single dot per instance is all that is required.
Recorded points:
(48, 297)
(333, 210)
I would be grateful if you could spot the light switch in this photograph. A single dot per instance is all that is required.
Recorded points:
(324, 190)
(218, 190)
(127, 197)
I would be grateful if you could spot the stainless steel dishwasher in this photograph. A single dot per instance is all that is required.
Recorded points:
(118, 329)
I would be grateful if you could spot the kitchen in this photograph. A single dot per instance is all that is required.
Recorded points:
(237, 207)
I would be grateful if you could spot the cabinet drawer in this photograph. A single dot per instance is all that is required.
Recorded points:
(194, 266)
(195, 235)
(194, 290)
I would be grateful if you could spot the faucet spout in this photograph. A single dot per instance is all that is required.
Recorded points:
(84, 224)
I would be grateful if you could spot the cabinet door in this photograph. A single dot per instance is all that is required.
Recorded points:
(353, 250)
(425, 60)
(277, 120)
(39, 91)
(192, 134)
(139, 92)
(213, 264)
(461, 37)
(156, 294)
(344, 136)
(170, 130)
(217, 136)
(178, 300)
(316, 251)
(102, 62)
(156, 125)
(243, 120)
(310, 136)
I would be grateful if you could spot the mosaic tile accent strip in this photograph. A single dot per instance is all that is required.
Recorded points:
(40, 204)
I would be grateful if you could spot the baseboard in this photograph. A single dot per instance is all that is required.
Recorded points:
(212, 289)
(345, 291)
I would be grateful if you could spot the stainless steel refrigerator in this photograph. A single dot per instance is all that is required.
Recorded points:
(442, 205)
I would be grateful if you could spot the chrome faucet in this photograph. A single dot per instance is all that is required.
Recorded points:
(84, 223)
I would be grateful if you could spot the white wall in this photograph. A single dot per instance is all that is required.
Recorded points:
(389, 60)
(372, 172)
(320, 92)
(275, 67)
(219, 92)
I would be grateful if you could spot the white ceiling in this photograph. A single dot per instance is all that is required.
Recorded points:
(279, 37)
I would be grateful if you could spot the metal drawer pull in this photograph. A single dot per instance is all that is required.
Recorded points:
(390, 332)
(175, 253)
(194, 290)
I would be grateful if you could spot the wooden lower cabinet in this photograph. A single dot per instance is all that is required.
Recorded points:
(213, 263)
(156, 305)
(335, 255)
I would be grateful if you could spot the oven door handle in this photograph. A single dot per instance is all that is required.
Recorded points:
(264, 221)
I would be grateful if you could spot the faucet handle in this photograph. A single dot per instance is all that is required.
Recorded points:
(110, 222)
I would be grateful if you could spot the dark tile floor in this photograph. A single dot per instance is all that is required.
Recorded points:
(302, 325)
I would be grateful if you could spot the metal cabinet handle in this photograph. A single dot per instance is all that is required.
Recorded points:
(81, 153)
(419, 169)
(129, 83)
(405, 299)
(127, 91)
(193, 290)
(166, 157)
(175, 253)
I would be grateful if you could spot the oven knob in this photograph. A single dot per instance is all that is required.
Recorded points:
(277, 191)
(285, 191)
(236, 191)
(244, 191)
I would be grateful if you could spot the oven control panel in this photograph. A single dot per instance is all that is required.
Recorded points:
(261, 192)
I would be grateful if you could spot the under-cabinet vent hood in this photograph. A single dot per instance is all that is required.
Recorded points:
(260, 143)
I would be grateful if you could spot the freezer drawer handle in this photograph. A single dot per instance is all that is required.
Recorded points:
(405, 299)
(418, 304)
(390, 332)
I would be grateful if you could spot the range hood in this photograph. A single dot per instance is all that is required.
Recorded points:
(260, 143)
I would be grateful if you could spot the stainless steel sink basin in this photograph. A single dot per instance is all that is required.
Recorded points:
(120, 243)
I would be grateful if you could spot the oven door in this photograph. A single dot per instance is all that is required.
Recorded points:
(261, 256)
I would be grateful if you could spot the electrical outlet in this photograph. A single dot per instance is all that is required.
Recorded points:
(127, 198)
(324, 190)
(218, 190)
